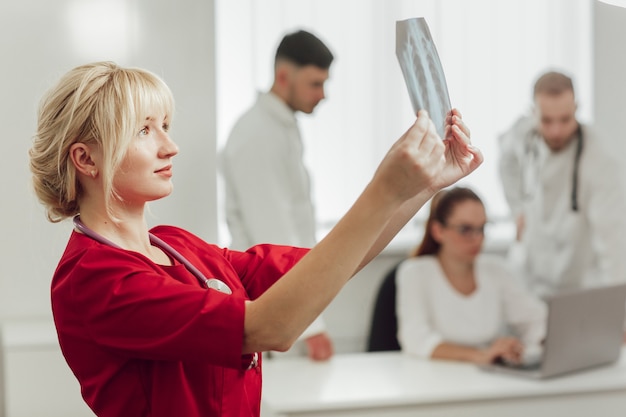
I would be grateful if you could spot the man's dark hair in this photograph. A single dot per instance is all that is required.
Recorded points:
(303, 48)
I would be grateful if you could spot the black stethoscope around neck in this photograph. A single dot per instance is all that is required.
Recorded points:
(579, 150)
(211, 283)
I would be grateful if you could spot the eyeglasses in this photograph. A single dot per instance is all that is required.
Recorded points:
(467, 230)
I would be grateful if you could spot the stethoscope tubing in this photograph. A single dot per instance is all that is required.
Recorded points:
(579, 150)
(211, 283)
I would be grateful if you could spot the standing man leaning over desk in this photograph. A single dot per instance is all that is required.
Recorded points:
(268, 197)
(566, 193)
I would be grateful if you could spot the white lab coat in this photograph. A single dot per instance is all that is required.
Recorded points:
(268, 195)
(267, 186)
(563, 249)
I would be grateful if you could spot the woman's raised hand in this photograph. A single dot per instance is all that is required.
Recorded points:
(420, 161)
(461, 156)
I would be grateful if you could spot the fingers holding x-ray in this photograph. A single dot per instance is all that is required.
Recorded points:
(422, 71)
(454, 118)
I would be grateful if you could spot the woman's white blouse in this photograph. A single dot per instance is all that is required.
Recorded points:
(430, 311)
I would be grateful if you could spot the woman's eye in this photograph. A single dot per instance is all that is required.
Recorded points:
(143, 131)
(166, 127)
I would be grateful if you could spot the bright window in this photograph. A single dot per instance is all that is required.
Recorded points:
(491, 51)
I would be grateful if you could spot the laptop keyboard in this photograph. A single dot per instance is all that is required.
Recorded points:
(528, 366)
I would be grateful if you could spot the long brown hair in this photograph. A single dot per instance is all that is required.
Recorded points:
(441, 207)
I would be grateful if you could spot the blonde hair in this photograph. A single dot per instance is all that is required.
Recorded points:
(100, 104)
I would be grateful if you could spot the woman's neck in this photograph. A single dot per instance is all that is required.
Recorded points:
(129, 231)
(460, 273)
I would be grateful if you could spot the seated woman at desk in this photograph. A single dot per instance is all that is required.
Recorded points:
(454, 302)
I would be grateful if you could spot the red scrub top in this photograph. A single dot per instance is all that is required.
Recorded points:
(147, 340)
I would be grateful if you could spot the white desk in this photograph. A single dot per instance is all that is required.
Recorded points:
(391, 384)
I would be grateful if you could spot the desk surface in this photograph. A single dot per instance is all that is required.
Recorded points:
(366, 381)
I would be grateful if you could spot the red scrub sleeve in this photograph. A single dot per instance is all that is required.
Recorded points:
(261, 266)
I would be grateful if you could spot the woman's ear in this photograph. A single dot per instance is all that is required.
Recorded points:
(436, 230)
(81, 156)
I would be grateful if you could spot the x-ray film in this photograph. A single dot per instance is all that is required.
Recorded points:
(422, 70)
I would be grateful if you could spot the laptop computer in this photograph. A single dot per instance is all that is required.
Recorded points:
(585, 329)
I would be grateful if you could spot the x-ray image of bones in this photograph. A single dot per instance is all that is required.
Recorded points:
(422, 70)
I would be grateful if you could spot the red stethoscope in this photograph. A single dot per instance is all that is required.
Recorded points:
(211, 283)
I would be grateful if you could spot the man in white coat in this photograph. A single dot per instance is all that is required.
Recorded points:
(566, 193)
(268, 196)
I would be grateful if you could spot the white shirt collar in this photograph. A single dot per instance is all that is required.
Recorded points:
(275, 105)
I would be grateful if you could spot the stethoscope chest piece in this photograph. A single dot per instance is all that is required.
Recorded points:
(217, 285)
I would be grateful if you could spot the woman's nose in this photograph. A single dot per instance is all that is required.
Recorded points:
(168, 148)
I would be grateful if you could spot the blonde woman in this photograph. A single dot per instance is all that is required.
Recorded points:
(158, 322)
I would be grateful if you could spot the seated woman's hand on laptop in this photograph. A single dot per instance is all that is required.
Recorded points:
(507, 349)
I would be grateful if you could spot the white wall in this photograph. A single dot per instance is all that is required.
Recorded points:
(609, 69)
(39, 41)
(42, 39)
